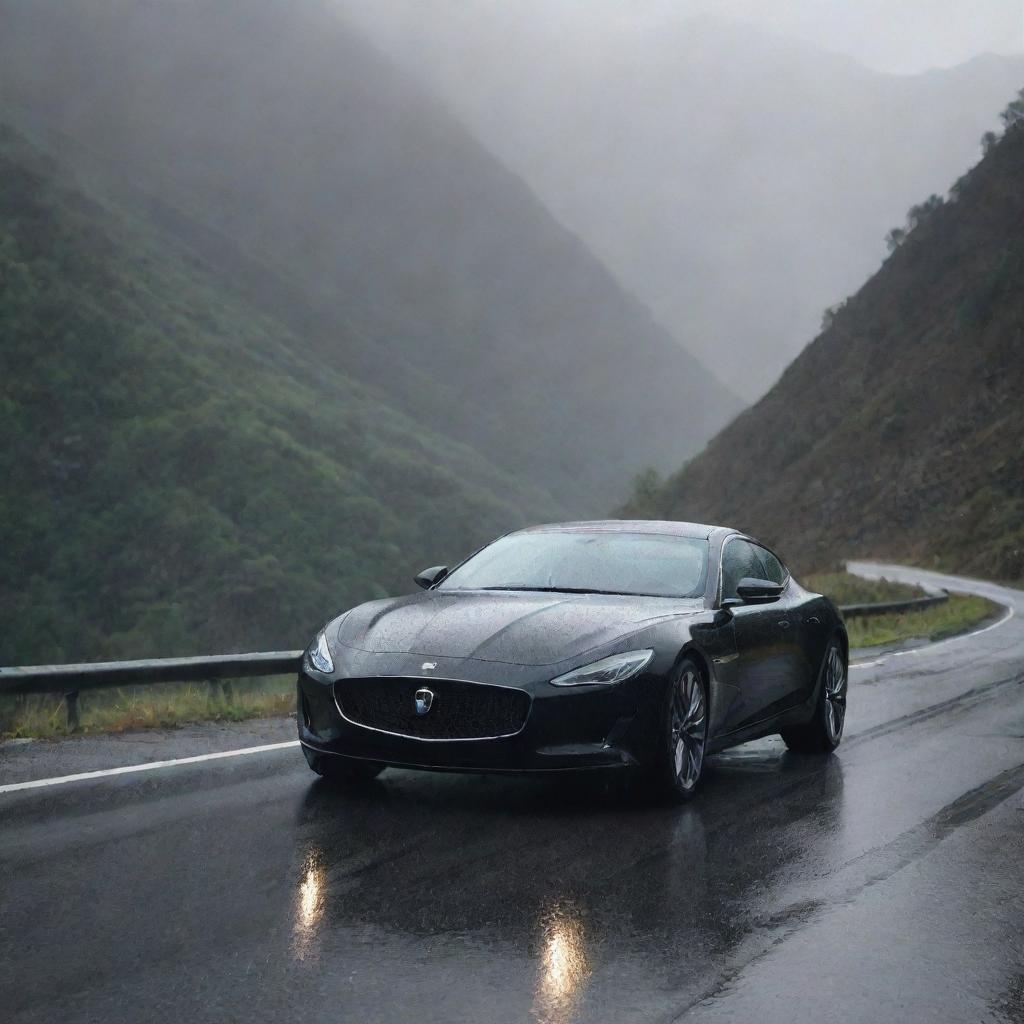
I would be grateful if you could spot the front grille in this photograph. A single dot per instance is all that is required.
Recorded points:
(458, 711)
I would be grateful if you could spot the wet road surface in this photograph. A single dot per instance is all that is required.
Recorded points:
(884, 883)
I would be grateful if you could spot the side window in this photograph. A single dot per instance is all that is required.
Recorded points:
(739, 559)
(774, 570)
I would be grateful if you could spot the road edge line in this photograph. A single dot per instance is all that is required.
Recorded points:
(149, 766)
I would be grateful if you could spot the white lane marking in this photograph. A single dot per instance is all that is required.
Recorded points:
(928, 648)
(148, 767)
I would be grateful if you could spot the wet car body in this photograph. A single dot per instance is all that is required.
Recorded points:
(488, 659)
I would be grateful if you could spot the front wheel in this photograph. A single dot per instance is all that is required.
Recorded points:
(684, 732)
(823, 733)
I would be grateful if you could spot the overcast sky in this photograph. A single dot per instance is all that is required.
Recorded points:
(889, 35)
(902, 36)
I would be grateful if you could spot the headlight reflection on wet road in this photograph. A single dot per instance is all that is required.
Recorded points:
(564, 966)
(309, 901)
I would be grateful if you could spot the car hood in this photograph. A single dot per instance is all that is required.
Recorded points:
(517, 628)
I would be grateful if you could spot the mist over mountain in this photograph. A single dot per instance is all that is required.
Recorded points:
(737, 181)
(178, 476)
(899, 431)
(354, 209)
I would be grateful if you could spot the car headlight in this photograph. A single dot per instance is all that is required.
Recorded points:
(607, 671)
(319, 654)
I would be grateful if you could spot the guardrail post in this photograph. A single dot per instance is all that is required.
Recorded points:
(71, 702)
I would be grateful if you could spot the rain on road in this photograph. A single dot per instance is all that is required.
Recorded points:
(883, 882)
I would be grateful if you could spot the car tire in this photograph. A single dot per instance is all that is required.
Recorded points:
(824, 732)
(343, 771)
(683, 732)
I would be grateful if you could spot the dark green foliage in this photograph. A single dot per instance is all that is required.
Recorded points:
(174, 478)
(346, 204)
(303, 337)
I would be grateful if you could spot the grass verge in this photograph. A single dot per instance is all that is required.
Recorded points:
(938, 622)
(957, 615)
(165, 705)
(845, 588)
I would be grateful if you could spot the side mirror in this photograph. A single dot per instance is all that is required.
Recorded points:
(429, 577)
(755, 591)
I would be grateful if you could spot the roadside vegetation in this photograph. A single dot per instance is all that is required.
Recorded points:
(937, 622)
(162, 706)
(845, 588)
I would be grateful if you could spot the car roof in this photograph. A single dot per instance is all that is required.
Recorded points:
(668, 527)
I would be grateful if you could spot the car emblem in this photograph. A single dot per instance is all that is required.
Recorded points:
(424, 701)
(428, 665)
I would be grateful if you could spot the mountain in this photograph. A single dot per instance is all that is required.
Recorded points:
(737, 181)
(177, 475)
(899, 431)
(347, 204)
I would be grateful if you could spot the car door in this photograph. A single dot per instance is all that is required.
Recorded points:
(796, 681)
(763, 643)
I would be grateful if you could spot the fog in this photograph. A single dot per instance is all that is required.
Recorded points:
(903, 38)
(906, 37)
(736, 165)
(382, 281)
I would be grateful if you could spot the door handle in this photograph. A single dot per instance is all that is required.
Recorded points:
(784, 624)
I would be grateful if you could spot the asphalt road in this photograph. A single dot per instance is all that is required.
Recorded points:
(885, 883)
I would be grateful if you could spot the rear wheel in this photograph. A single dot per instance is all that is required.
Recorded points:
(684, 732)
(823, 733)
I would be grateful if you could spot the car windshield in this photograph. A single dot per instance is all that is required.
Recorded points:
(591, 562)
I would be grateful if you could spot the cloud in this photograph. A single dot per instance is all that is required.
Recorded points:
(907, 36)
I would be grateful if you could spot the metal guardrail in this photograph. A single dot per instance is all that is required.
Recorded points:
(912, 604)
(71, 680)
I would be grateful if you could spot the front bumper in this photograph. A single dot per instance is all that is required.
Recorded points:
(564, 729)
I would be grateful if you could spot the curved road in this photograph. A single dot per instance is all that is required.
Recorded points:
(885, 883)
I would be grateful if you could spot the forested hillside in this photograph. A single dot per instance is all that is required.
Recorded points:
(177, 474)
(349, 205)
(899, 432)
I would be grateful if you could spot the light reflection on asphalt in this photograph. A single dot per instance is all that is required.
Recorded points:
(564, 967)
(309, 902)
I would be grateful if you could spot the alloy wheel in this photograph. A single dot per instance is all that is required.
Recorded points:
(688, 728)
(835, 694)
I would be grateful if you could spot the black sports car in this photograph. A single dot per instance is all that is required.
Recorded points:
(579, 645)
